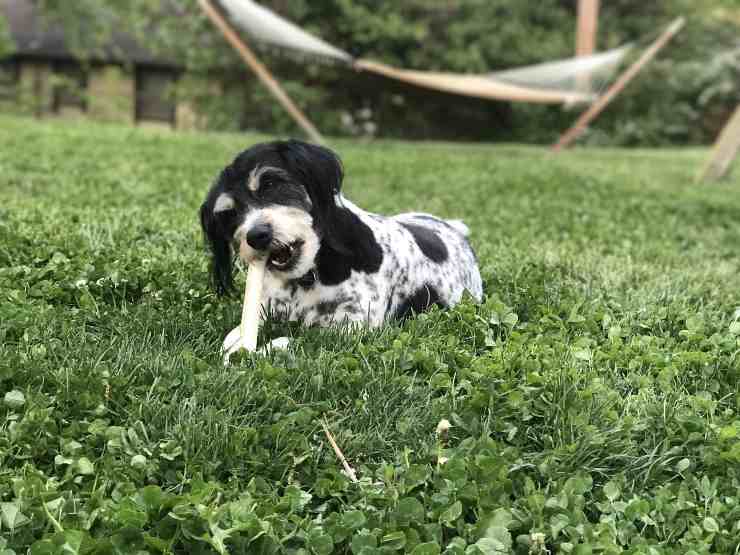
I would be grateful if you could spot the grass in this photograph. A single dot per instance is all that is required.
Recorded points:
(593, 397)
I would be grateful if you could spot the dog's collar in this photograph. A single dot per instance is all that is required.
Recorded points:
(306, 280)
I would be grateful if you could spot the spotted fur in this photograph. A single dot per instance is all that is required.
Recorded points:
(346, 264)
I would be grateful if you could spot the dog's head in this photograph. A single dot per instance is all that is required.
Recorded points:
(278, 200)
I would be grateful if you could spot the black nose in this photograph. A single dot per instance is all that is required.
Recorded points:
(260, 236)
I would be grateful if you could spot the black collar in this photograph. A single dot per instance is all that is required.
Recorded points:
(307, 280)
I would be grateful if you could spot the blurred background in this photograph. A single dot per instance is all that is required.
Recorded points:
(164, 64)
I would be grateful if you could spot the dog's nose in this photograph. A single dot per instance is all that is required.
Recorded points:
(260, 236)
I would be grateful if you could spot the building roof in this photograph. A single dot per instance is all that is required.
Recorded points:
(36, 36)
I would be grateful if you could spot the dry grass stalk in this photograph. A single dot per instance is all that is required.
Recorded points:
(347, 468)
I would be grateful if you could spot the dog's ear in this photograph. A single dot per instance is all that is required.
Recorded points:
(216, 235)
(320, 171)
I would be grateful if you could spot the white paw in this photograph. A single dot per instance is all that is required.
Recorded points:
(232, 343)
(279, 344)
(231, 340)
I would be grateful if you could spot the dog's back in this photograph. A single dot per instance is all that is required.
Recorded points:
(434, 262)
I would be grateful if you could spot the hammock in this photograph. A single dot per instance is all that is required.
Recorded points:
(566, 81)
(568, 74)
(267, 27)
(482, 86)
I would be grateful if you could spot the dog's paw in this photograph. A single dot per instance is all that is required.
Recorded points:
(279, 344)
(232, 341)
(232, 344)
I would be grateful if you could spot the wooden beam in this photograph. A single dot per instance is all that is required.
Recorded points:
(724, 151)
(629, 74)
(261, 71)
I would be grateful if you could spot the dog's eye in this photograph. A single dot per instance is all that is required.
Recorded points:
(272, 188)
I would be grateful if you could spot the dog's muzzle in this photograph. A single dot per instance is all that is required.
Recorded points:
(261, 238)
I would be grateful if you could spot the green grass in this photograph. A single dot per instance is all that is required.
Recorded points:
(593, 396)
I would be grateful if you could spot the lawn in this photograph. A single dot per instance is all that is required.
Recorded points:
(593, 396)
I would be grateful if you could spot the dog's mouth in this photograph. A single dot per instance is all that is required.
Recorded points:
(281, 256)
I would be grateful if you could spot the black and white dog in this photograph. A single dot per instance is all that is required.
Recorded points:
(328, 260)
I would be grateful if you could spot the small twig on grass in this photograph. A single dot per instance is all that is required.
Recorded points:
(347, 468)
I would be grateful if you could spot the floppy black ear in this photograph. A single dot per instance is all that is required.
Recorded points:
(320, 171)
(217, 238)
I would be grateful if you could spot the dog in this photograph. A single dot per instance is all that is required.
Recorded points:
(329, 261)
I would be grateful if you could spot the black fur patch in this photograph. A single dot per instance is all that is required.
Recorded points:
(218, 230)
(429, 242)
(422, 299)
(362, 252)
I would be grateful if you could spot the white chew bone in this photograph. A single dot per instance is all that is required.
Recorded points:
(252, 303)
(245, 335)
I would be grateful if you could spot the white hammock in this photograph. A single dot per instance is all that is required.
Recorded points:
(563, 81)
(566, 74)
(266, 26)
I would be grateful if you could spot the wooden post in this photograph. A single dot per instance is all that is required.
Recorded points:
(630, 73)
(261, 71)
(588, 22)
(724, 151)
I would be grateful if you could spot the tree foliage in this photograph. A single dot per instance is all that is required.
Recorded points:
(682, 98)
(6, 43)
